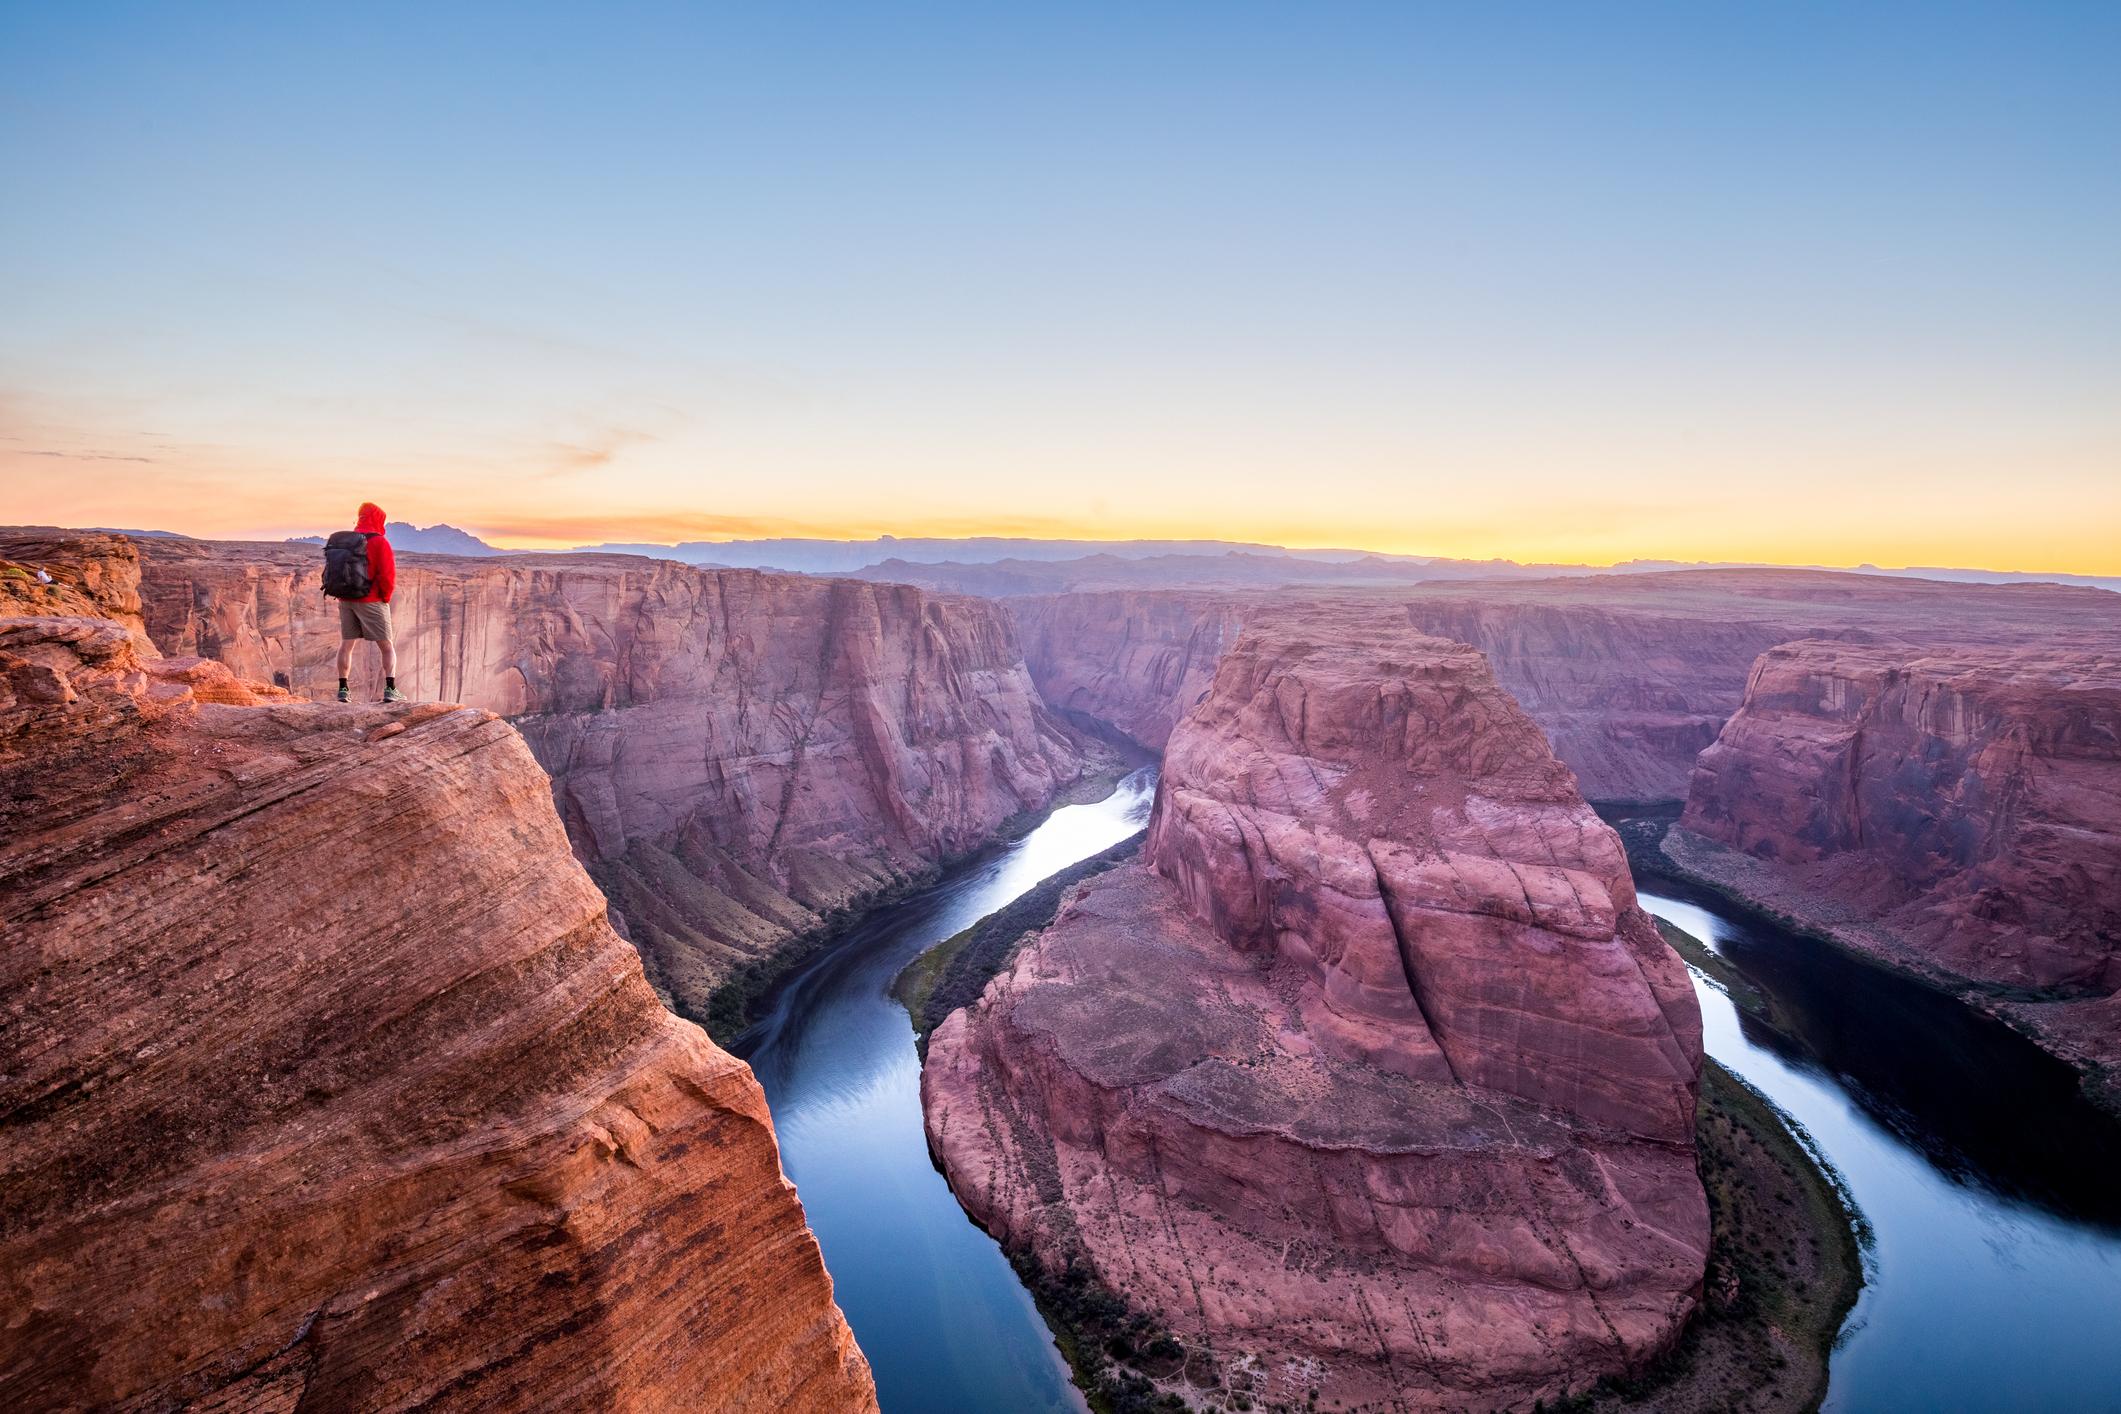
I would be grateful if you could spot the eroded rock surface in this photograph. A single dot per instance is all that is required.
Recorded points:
(1136, 662)
(324, 1082)
(1629, 675)
(1632, 675)
(737, 755)
(1958, 812)
(90, 574)
(1371, 1079)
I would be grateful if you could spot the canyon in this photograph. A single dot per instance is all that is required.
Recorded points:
(324, 1081)
(1956, 812)
(1369, 1081)
(1130, 663)
(1368, 1078)
(741, 758)
(1631, 676)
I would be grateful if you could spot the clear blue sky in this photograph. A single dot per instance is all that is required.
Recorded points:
(1803, 282)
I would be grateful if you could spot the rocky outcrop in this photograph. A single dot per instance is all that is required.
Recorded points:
(1958, 812)
(738, 756)
(1371, 1080)
(1632, 676)
(325, 1084)
(1626, 698)
(84, 574)
(1135, 662)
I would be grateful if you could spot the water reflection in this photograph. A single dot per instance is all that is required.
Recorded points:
(935, 1305)
(1992, 1187)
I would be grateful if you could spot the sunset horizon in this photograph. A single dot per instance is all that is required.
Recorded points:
(1799, 287)
(675, 530)
(1026, 709)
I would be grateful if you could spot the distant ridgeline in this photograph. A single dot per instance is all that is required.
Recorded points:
(433, 540)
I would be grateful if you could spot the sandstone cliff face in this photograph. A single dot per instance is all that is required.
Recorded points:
(1132, 661)
(1627, 699)
(92, 575)
(1633, 675)
(1629, 675)
(1371, 1078)
(736, 754)
(324, 1082)
(1962, 807)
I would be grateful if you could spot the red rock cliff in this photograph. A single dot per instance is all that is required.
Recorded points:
(1371, 1077)
(1629, 675)
(1133, 661)
(736, 754)
(1628, 699)
(1959, 811)
(90, 574)
(1632, 675)
(325, 1084)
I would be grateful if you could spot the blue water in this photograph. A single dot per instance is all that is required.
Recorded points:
(1993, 1190)
(942, 1317)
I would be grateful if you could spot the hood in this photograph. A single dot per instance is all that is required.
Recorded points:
(371, 519)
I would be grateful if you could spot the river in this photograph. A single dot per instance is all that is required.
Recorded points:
(1992, 1189)
(941, 1315)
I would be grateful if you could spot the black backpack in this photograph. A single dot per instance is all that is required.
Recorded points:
(346, 564)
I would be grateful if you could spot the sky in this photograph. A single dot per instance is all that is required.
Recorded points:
(1572, 281)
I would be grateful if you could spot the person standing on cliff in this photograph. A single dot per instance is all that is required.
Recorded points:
(360, 571)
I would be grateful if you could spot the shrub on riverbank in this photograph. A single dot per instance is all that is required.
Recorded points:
(1785, 1267)
(955, 971)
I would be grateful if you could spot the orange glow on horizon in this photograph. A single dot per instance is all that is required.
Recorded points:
(2083, 546)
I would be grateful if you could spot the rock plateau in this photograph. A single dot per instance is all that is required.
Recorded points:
(1370, 1079)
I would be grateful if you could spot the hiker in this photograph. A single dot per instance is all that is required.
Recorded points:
(359, 572)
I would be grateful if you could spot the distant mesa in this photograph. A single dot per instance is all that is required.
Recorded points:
(815, 556)
(1005, 566)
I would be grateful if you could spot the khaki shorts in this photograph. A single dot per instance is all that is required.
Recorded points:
(369, 621)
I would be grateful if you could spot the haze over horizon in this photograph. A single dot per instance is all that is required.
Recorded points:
(1817, 285)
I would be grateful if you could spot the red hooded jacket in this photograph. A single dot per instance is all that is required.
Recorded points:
(382, 563)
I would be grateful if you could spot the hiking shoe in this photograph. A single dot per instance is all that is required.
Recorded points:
(345, 696)
(391, 694)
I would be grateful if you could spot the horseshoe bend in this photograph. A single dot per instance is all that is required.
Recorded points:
(348, 1060)
(1370, 1076)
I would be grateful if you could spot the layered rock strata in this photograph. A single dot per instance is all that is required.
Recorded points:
(1630, 675)
(1956, 812)
(1633, 675)
(1134, 662)
(46, 572)
(1628, 698)
(739, 756)
(325, 1084)
(1371, 1081)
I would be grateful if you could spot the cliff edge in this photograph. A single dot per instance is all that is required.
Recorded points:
(325, 1083)
(1954, 811)
(739, 757)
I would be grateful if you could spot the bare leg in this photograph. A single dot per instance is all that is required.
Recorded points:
(346, 655)
(390, 658)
